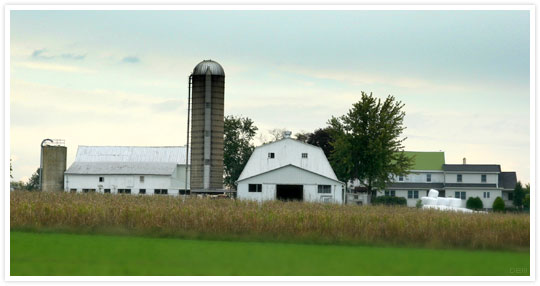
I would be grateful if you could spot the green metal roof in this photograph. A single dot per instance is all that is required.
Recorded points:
(426, 160)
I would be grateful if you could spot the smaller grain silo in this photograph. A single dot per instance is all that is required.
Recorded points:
(53, 165)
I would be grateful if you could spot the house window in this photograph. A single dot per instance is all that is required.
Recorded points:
(161, 191)
(324, 189)
(107, 191)
(271, 155)
(486, 195)
(101, 179)
(142, 191)
(183, 192)
(390, 193)
(412, 194)
(124, 191)
(483, 178)
(141, 179)
(304, 155)
(428, 177)
(510, 196)
(401, 178)
(255, 188)
(460, 195)
(459, 178)
(356, 197)
(442, 194)
(73, 190)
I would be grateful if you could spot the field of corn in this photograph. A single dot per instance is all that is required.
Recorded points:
(165, 216)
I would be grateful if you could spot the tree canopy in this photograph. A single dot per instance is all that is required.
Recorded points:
(367, 143)
(519, 195)
(238, 146)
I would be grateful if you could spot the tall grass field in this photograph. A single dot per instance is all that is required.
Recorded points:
(225, 219)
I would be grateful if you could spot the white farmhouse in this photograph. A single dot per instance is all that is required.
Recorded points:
(289, 170)
(128, 170)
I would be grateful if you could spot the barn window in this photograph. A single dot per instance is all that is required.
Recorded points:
(142, 191)
(255, 188)
(304, 155)
(107, 191)
(124, 191)
(324, 189)
(271, 155)
(160, 191)
(141, 179)
(73, 190)
(207, 104)
(207, 161)
(89, 190)
(183, 192)
(101, 179)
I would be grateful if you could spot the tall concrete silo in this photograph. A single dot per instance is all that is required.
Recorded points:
(53, 165)
(208, 91)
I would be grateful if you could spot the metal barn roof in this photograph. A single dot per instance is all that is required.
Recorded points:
(136, 160)
(121, 168)
(172, 154)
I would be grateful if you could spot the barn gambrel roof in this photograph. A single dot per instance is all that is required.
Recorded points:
(287, 151)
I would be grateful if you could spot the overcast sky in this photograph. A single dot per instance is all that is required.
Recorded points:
(120, 77)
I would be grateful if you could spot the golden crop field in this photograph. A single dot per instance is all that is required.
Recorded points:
(270, 221)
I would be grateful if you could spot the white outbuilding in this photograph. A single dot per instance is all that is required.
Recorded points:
(128, 170)
(289, 169)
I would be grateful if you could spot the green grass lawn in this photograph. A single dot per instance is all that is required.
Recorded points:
(71, 254)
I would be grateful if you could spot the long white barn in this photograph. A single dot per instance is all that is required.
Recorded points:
(289, 170)
(128, 170)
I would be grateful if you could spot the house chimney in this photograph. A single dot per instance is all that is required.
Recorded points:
(464, 160)
(287, 134)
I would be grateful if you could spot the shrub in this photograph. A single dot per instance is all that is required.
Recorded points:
(498, 205)
(419, 204)
(511, 210)
(389, 201)
(475, 203)
(527, 202)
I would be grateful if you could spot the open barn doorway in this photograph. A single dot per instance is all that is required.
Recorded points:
(290, 192)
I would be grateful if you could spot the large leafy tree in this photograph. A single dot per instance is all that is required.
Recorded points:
(321, 137)
(368, 144)
(238, 146)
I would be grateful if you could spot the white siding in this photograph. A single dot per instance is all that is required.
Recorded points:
(472, 178)
(290, 175)
(417, 176)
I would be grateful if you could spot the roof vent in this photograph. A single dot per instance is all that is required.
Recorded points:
(287, 134)
(464, 161)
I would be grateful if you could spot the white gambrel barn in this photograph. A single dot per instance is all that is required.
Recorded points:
(128, 170)
(289, 170)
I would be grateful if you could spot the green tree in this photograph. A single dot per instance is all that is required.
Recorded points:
(33, 183)
(321, 138)
(367, 143)
(238, 147)
(474, 203)
(519, 195)
(498, 205)
(302, 136)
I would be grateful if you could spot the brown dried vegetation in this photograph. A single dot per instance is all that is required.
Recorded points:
(281, 221)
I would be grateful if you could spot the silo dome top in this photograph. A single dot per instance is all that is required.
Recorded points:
(202, 67)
